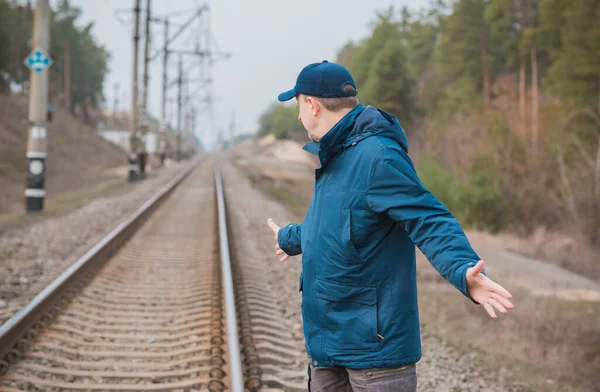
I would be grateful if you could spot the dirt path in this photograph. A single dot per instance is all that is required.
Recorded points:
(550, 279)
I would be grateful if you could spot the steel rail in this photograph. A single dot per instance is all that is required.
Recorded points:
(235, 362)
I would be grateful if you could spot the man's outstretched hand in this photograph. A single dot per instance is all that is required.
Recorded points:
(278, 250)
(487, 292)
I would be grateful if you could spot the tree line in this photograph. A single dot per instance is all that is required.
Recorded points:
(87, 63)
(501, 99)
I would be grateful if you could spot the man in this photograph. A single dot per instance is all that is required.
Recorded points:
(369, 210)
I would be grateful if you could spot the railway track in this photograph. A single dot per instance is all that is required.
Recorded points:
(157, 305)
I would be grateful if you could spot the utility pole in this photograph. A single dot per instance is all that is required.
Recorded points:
(115, 105)
(133, 131)
(188, 118)
(161, 138)
(232, 128)
(67, 76)
(38, 111)
(194, 114)
(166, 51)
(165, 72)
(142, 153)
(186, 134)
(193, 120)
(179, 104)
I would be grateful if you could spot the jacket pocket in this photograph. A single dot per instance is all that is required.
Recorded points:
(348, 243)
(348, 316)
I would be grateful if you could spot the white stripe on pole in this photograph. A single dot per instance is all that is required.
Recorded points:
(36, 154)
(35, 193)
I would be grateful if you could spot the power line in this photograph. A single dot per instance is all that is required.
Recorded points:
(180, 12)
(181, 29)
(198, 42)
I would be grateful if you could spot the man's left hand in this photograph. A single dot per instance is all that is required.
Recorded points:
(487, 292)
(273, 226)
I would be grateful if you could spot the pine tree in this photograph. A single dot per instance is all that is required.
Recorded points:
(370, 48)
(463, 53)
(504, 35)
(346, 54)
(5, 45)
(575, 71)
(389, 86)
(420, 45)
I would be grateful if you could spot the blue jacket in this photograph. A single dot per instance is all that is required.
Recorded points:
(369, 210)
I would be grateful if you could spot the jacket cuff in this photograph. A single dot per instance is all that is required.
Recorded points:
(288, 241)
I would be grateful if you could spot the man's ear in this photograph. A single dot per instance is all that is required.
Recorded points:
(315, 106)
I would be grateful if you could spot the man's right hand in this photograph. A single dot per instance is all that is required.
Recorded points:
(278, 250)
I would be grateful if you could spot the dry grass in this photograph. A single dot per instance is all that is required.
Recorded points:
(61, 204)
(557, 339)
(292, 188)
(280, 190)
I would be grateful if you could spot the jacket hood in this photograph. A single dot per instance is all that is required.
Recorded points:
(370, 121)
(373, 121)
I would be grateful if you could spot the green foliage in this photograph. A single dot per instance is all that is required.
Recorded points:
(281, 121)
(464, 35)
(446, 186)
(477, 201)
(380, 67)
(575, 71)
(484, 199)
(14, 21)
(346, 54)
(21, 28)
(5, 16)
(551, 18)
(420, 36)
(432, 66)
(503, 145)
(384, 88)
(89, 61)
(365, 53)
(505, 36)
(460, 93)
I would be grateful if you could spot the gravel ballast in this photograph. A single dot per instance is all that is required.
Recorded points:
(33, 256)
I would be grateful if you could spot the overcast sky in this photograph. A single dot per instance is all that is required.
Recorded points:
(270, 42)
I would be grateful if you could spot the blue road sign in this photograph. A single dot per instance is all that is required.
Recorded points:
(38, 60)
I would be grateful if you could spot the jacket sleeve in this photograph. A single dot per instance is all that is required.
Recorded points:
(395, 189)
(289, 239)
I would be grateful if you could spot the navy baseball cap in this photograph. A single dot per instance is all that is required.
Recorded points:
(325, 80)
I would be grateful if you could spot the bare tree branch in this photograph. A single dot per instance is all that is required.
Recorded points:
(586, 112)
(588, 159)
(597, 176)
(567, 189)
